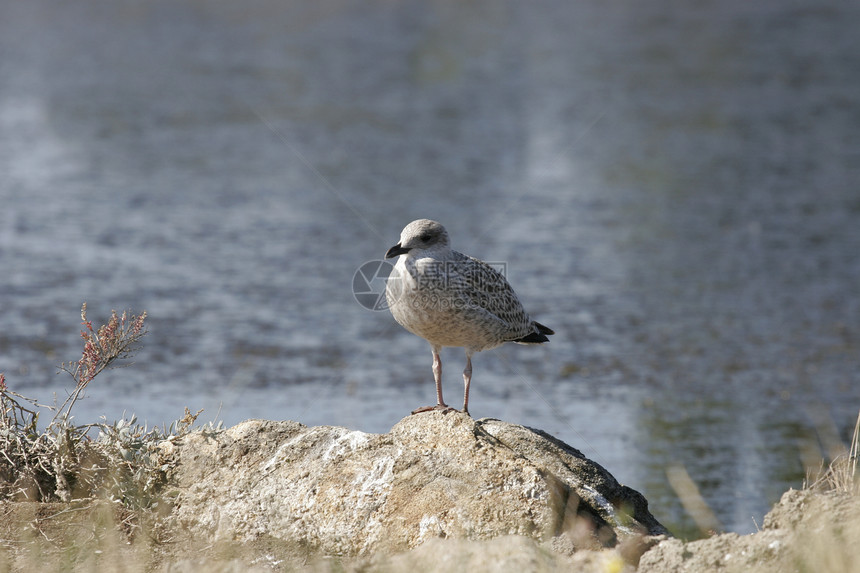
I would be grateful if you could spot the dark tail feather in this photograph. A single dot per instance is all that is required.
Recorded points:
(544, 329)
(536, 337)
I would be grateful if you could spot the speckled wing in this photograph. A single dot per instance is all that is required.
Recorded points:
(482, 286)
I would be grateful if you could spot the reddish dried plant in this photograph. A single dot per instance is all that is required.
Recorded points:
(102, 348)
(110, 342)
(38, 464)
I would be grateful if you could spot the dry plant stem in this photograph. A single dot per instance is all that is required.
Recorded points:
(102, 347)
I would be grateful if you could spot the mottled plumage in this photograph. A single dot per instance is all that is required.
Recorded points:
(451, 299)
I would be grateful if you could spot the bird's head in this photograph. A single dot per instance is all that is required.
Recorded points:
(420, 236)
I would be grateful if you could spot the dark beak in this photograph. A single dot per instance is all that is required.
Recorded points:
(396, 250)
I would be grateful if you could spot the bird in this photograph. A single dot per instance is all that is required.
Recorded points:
(453, 300)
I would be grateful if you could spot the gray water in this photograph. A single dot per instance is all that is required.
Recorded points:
(672, 187)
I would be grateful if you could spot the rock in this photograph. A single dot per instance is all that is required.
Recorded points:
(726, 552)
(806, 531)
(339, 492)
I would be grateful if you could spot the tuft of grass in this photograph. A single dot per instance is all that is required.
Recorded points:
(841, 474)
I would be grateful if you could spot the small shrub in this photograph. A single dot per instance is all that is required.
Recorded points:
(61, 462)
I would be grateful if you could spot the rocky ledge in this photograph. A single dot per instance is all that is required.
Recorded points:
(331, 491)
(440, 492)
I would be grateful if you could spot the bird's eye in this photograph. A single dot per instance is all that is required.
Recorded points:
(425, 237)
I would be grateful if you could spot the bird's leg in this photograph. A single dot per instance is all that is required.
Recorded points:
(437, 375)
(467, 380)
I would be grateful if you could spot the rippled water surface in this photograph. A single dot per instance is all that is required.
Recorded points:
(672, 187)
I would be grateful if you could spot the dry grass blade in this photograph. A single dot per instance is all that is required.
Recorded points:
(855, 449)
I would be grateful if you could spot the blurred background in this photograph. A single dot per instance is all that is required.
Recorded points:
(672, 186)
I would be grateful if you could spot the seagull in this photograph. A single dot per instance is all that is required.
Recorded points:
(452, 299)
